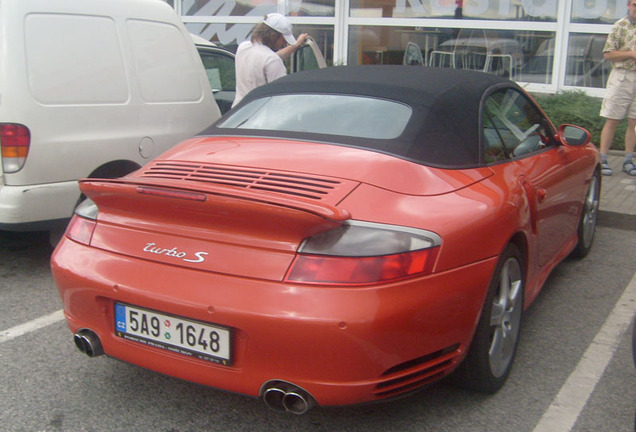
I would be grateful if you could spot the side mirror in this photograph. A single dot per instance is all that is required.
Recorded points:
(574, 135)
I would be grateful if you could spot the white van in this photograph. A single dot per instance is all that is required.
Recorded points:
(89, 88)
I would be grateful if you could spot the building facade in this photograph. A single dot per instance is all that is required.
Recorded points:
(547, 45)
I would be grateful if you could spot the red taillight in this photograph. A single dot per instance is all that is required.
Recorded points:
(81, 230)
(335, 270)
(15, 140)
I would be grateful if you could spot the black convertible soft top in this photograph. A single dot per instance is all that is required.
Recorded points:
(444, 129)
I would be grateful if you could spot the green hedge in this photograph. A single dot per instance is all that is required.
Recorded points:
(575, 107)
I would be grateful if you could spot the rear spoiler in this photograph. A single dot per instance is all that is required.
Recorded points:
(174, 189)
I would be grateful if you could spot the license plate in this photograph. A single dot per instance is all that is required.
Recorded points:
(180, 335)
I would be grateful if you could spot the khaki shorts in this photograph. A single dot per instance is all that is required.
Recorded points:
(620, 97)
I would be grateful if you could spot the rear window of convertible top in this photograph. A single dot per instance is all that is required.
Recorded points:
(325, 114)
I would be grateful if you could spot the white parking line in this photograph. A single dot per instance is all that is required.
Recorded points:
(28, 327)
(568, 404)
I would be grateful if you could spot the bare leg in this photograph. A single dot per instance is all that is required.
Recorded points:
(607, 136)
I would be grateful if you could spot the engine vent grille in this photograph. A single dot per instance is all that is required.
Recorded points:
(418, 372)
(301, 185)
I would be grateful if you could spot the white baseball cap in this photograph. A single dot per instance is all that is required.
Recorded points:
(279, 23)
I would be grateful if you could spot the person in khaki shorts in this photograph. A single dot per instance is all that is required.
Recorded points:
(620, 98)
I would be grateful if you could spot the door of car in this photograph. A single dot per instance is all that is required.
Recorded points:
(519, 140)
(307, 57)
(219, 67)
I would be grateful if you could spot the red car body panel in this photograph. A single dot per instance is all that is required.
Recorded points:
(357, 334)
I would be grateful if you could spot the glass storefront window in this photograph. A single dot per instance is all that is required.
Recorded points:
(257, 7)
(230, 35)
(585, 65)
(423, 33)
(516, 10)
(228, 8)
(539, 63)
(598, 11)
(505, 53)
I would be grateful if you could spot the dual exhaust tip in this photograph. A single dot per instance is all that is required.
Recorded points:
(282, 396)
(88, 343)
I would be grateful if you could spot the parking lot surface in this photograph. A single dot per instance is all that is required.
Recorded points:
(49, 386)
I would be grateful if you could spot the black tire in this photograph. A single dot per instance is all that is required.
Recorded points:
(492, 351)
(589, 215)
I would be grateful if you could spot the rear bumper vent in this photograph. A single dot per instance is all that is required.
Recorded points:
(300, 185)
(418, 372)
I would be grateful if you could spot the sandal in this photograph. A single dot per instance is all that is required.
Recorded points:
(629, 168)
(605, 169)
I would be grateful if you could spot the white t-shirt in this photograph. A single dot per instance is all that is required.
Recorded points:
(256, 65)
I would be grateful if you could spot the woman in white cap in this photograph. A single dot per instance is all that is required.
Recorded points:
(260, 59)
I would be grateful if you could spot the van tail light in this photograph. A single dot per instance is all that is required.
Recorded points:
(15, 140)
(83, 224)
(363, 253)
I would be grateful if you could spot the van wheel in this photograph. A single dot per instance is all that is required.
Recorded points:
(492, 351)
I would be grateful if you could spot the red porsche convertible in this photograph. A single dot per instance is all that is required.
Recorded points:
(344, 235)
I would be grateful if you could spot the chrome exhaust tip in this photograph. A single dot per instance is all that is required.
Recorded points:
(282, 396)
(273, 398)
(297, 402)
(88, 343)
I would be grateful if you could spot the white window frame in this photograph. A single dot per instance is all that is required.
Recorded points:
(342, 22)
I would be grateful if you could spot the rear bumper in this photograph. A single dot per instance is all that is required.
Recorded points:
(34, 207)
(342, 345)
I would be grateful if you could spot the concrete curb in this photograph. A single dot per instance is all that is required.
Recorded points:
(617, 220)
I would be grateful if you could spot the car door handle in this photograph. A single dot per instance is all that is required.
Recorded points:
(541, 194)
